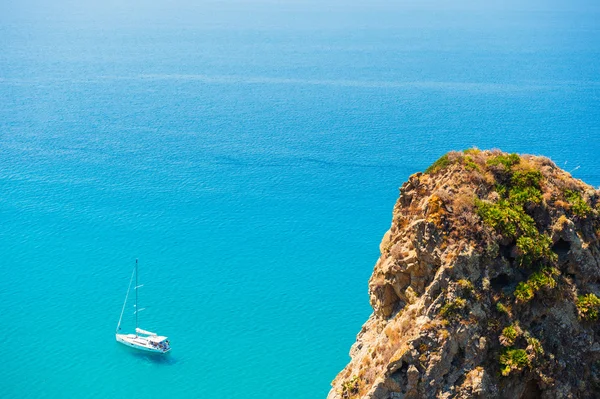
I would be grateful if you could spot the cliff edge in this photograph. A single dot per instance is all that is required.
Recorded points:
(488, 286)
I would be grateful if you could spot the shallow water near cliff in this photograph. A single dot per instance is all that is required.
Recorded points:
(251, 164)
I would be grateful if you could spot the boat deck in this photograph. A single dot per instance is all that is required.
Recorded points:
(143, 343)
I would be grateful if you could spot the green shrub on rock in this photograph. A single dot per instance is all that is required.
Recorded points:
(534, 346)
(510, 334)
(470, 164)
(506, 218)
(501, 308)
(350, 387)
(524, 292)
(507, 160)
(526, 187)
(578, 205)
(451, 310)
(536, 248)
(588, 306)
(438, 165)
(543, 278)
(466, 286)
(513, 360)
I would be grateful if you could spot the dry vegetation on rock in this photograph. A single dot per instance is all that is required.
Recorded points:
(487, 286)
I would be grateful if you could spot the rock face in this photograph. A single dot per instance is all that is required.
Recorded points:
(487, 286)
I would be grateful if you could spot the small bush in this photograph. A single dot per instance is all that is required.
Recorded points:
(510, 334)
(466, 286)
(525, 195)
(524, 292)
(535, 248)
(507, 160)
(502, 217)
(513, 360)
(526, 178)
(451, 310)
(350, 387)
(578, 206)
(506, 218)
(501, 308)
(501, 189)
(526, 187)
(472, 151)
(588, 306)
(438, 165)
(534, 346)
(543, 278)
(470, 164)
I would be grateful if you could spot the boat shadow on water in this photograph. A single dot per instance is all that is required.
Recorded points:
(149, 357)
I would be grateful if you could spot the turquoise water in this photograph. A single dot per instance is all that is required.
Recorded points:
(249, 154)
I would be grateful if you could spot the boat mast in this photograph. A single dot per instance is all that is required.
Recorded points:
(125, 303)
(136, 296)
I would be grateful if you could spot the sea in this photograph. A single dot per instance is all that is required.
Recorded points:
(248, 153)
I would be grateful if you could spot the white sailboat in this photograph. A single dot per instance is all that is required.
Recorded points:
(142, 339)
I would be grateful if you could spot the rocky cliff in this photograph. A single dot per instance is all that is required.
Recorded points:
(487, 286)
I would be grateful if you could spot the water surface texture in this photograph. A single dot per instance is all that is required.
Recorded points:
(249, 154)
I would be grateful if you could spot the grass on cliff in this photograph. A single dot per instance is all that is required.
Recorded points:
(508, 160)
(516, 359)
(544, 278)
(350, 388)
(500, 307)
(508, 216)
(526, 187)
(509, 219)
(513, 360)
(466, 287)
(452, 310)
(438, 165)
(470, 159)
(588, 307)
(578, 205)
(534, 346)
(510, 334)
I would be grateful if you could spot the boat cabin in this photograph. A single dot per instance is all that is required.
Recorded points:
(159, 342)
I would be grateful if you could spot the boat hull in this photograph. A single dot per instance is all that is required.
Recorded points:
(140, 343)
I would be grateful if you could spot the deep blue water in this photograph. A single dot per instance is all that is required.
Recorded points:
(249, 154)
